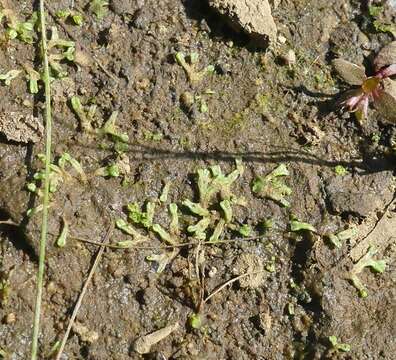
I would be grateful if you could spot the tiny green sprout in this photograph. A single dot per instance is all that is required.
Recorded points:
(33, 77)
(227, 209)
(22, 30)
(33, 211)
(296, 226)
(193, 75)
(139, 217)
(165, 191)
(338, 346)
(199, 228)
(32, 187)
(4, 290)
(203, 107)
(337, 239)
(217, 231)
(340, 170)
(66, 14)
(61, 241)
(99, 8)
(126, 244)
(162, 260)
(271, 265)
(196, 208)
(290, 309)
(152, 136)
(163, 234)
(9, 76)
(195, 321)
(109, 128)
(85, 119)
(67, 158)
(125, 227)
(272, 186)
(375, 10)
(128, 229)
(367, 260)
(113, 170)
(174, 225)
(245, 230)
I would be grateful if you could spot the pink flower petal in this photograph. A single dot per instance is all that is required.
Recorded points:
(387, 72)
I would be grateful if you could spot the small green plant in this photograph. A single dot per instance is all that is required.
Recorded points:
(85, 117)
(61, 241)
(339, 238)
(111, 171)
(110, 129)
(33, 78)
(70, 15)
(9, 76)
(340, 170)
(335, 345)
(58, 174)
(378, 25)
(213, 185)
(245, 230)
(272, 186)
(60, 50)
(297, 226)
(99, 8)
(195, 321)
(367, 260)
(22, 31)
(189, 66)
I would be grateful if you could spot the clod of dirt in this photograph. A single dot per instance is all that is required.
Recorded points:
(21, 128)
(360, 195)
(143, 344)
(250, 263)
(386, 56)
(252, 16)
(86, 335)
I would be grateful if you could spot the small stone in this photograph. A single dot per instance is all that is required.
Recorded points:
(386, 56)
(281, 39)
(289, 58)
(212, 272)
(187, 100)
(86, 335)
(252, 16)
(10, 319)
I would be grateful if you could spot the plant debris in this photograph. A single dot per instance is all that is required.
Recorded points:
(143, 344)
(367, 260)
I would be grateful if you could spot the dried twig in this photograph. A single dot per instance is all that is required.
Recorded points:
(83, 291)
(229, 282)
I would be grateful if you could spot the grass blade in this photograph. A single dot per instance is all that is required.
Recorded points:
(44, 225)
